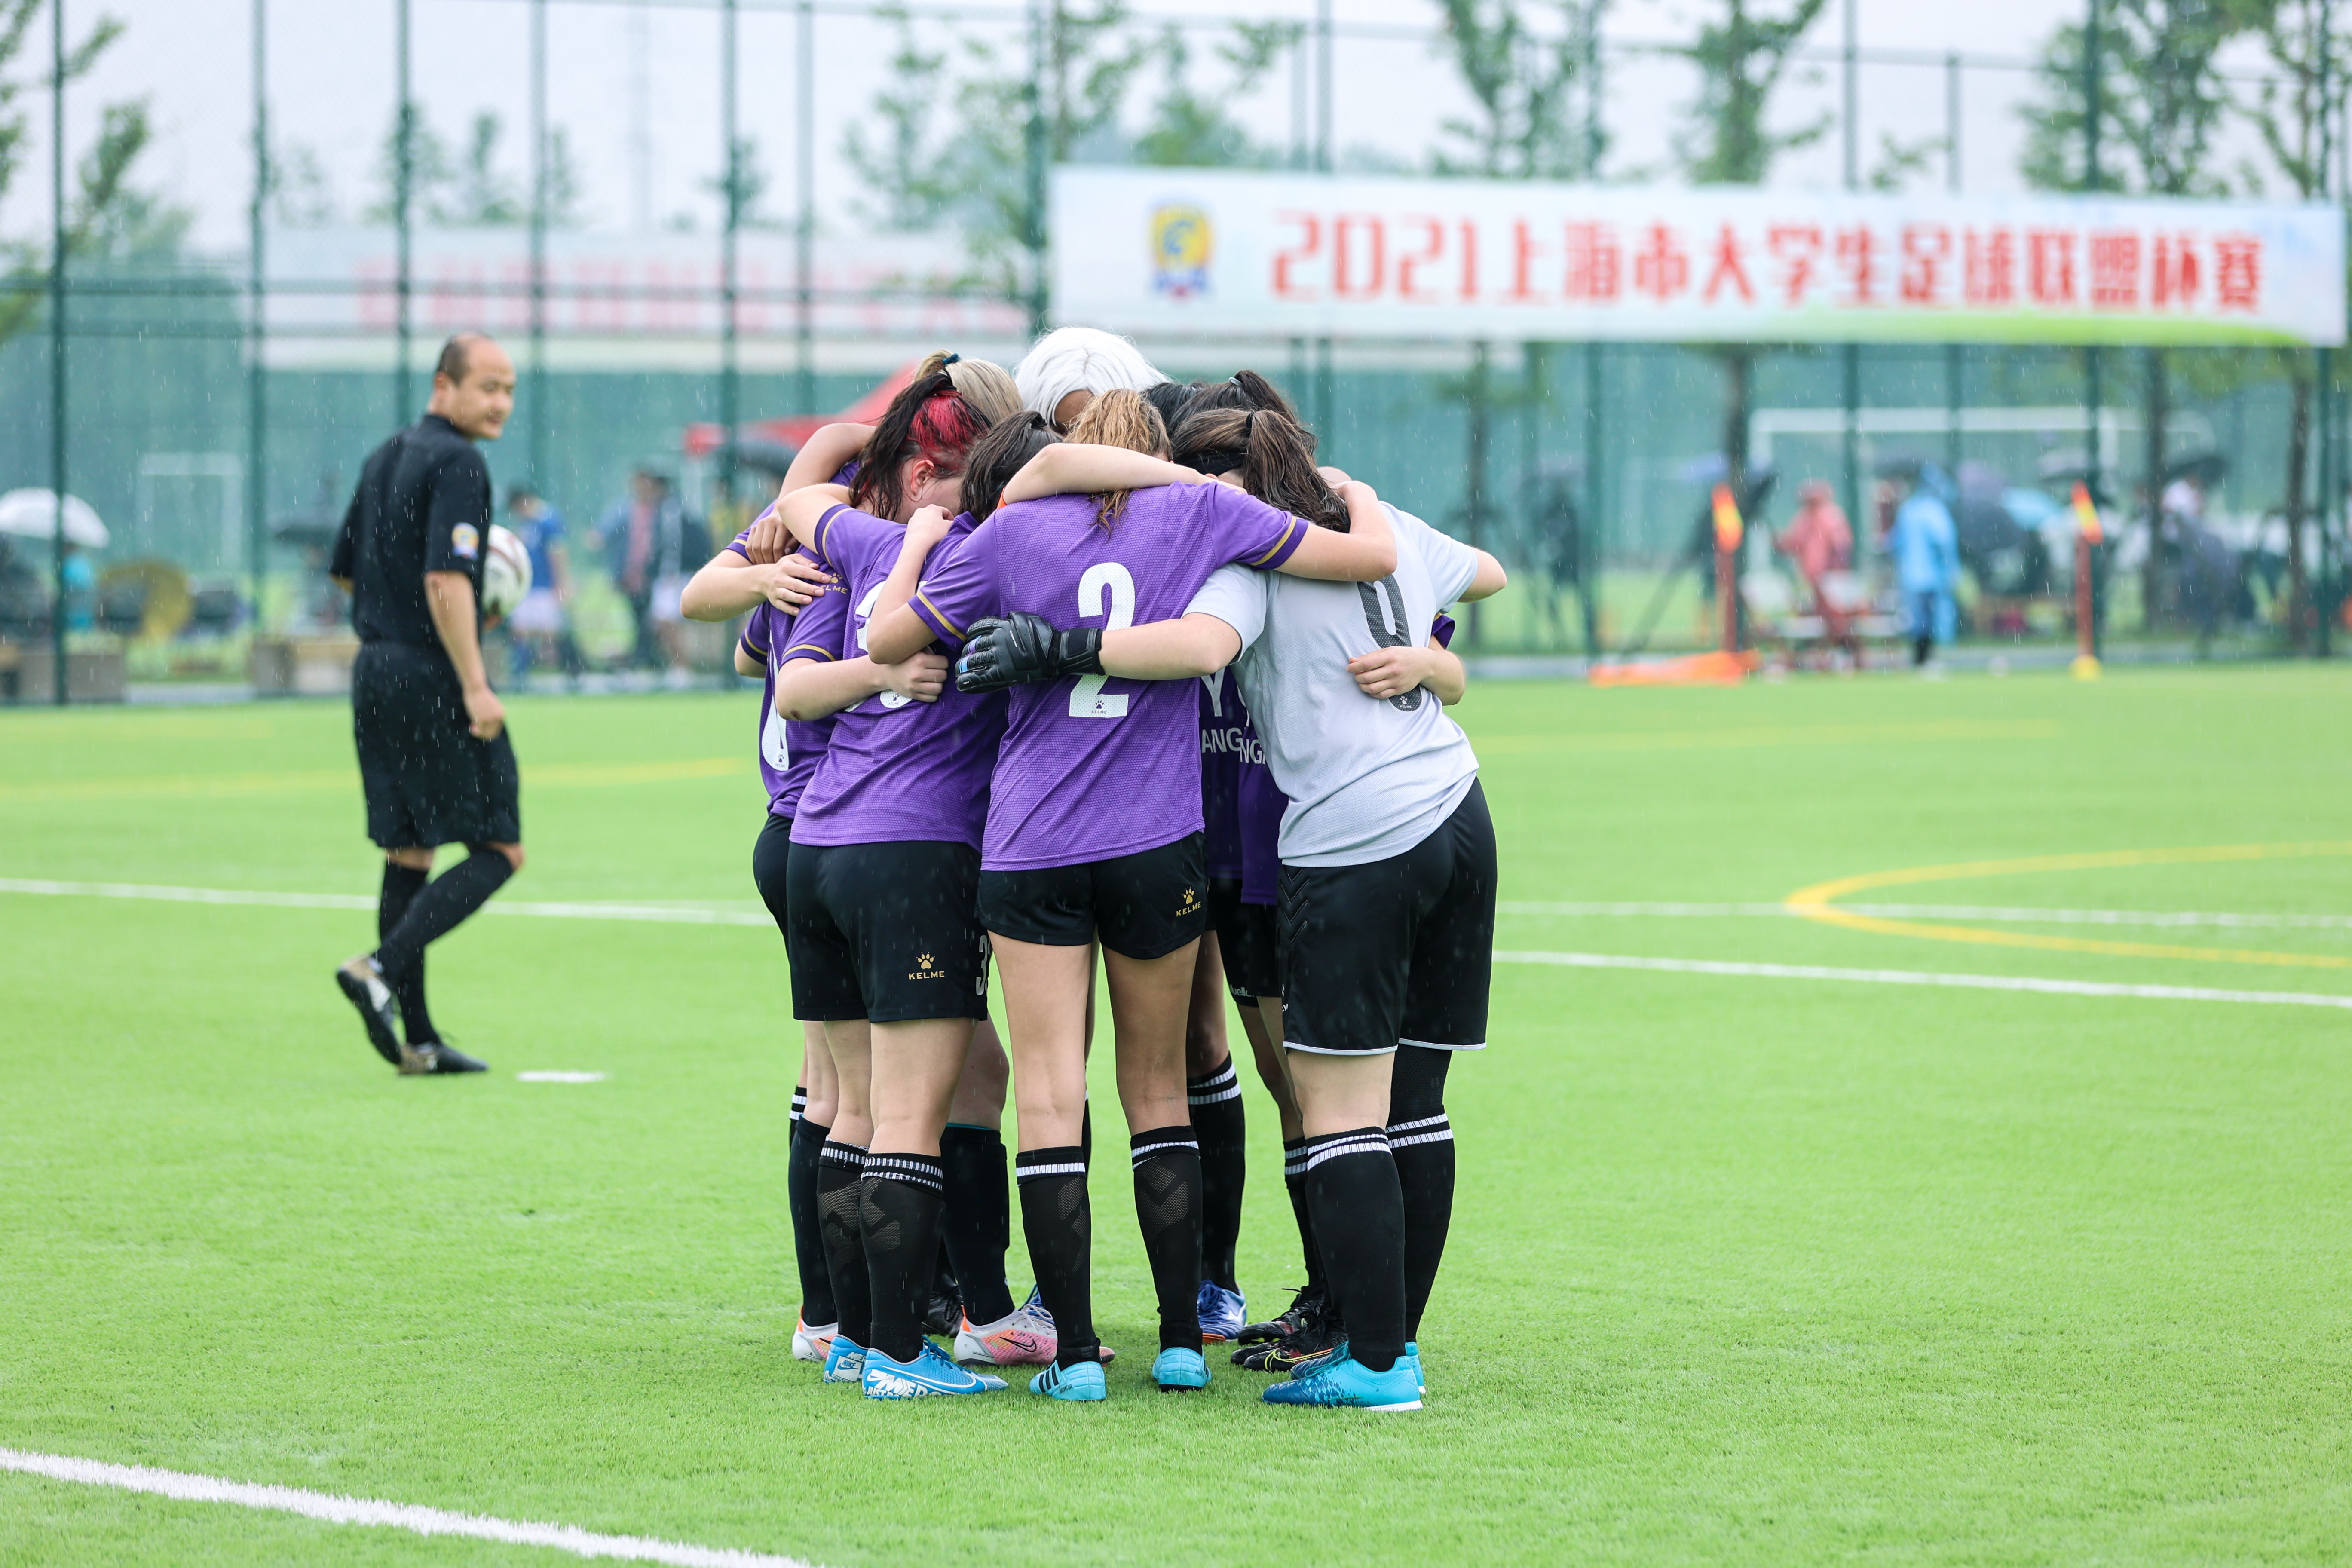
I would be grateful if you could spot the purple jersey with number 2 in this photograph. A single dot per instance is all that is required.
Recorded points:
(1093, 767)
(897, 771)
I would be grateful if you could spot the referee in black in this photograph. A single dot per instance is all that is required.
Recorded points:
(434, 757)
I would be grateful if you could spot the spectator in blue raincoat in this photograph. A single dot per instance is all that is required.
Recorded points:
(1927, 549)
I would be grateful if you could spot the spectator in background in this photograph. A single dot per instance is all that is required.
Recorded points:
(1818, 539)
(1925, 546)
(82, 589)
(542, 622)
(642, 539)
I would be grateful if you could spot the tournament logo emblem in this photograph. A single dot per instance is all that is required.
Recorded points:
(1183, 243)
(465, 542)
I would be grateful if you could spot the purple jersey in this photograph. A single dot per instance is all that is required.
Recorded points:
(789, 750)
(897, 770)
(1241, 807)
(1091, 767)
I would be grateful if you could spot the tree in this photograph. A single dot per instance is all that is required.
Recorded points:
(105, 215)
(1522, 83)
(470, 190)
(1742, 59)
(2291, 116)
(2161, 102)
(1189, 129)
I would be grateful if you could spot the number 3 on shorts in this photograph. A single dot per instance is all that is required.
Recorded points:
(1105, 579)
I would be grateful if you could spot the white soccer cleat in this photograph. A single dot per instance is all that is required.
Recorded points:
(811, 1344)
(1025, 1338)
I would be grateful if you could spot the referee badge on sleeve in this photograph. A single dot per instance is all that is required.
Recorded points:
(465, 541)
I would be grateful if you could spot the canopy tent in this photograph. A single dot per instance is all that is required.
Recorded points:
(32, 514)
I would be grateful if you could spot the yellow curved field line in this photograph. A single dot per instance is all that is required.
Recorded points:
(1817, 902)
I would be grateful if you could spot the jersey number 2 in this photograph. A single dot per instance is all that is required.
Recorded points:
(1106, 580)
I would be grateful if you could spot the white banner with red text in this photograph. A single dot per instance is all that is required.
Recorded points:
(1216, 252)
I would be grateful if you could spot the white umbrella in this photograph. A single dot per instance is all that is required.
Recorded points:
(32, 514)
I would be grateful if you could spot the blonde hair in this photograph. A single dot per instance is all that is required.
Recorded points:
(1120, 418)
(988, 387)
(1080, 359)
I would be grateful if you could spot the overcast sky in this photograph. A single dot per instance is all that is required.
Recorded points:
(332, 88)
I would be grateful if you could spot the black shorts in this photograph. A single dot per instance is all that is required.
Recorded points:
(1245, 940)
(771, 855)
(885, 932)
(1395, 951)
(1144, 905)
(428, 781)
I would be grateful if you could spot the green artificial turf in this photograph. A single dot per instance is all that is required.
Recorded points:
(1742, 1269)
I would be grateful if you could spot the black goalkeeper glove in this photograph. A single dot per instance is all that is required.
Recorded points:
(1021, 648)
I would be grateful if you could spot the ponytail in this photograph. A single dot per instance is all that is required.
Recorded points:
(996, 457)
(1119, 418)
(1274, 457)
(949, 404)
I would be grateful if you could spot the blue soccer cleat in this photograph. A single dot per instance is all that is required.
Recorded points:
(1311, 1365)
(1412, 1355)
(930, 1373)
(1347, 1383)
(844, 1359)
(1084, 1381)
(1180, 1371)
(1223, 1312)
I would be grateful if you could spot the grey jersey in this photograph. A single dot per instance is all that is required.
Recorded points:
(1368, 777)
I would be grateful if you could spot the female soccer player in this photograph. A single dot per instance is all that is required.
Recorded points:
(912, 456)
(1387, 891)
(1094, 829)
(1069, 367)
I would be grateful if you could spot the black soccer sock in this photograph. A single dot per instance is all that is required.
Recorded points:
(979, 1218)
(1422, 1140)
(401, 886)
(1059, 1224)
(1221, 1125)
(799, 1107)
(808, 1232)
(1294, 1179)
(839, 1166)
(1168, 1208)
(433, 914)
(1352, 1182)
(899, 1201)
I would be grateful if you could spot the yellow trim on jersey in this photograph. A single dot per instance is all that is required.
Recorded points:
(1287, 535)
(812, 649)
(953, 630)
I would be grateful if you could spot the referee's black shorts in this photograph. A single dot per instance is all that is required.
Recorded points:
(428, 781)
(1395, 951)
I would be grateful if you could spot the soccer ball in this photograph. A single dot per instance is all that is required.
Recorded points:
(506, 575)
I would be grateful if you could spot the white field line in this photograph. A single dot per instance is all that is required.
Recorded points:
(334, 1510)
(558, 1076)
(1918, 977)
(2002, 913)
(670, 914)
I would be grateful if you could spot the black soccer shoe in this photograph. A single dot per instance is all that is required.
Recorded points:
(361, 980)
(1308, 1298)
(440, 1057)
(1318, 1331)
(1021, 647)
(943, 1315)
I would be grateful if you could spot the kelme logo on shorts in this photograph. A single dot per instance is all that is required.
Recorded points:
(923, 969)
(1192, 902)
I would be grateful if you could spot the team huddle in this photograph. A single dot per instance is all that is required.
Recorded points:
(1072, 670)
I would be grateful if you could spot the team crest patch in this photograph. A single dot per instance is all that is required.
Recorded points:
(465, 541)
(1182, 242)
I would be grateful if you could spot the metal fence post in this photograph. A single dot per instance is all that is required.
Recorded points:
(256, 411)
(404, 177)
(58, 343)
(804, 323)
(538, 410)
(727, 253)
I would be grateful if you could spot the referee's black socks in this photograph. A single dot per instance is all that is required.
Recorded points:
(1351, 1183)
(1422, 1140)
(1168, 1208)
(979, 1218)
(432, 912)
(401, 886)
(839, 1166)
(1221, 1128)
(808, 1235)
(1059, 1224)
(899, 1201)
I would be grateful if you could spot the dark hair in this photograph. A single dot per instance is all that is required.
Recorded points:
(1172, 400)
(458, 357)
(996, 457)
(1246, 391)
(928, 418)
(1275, 456)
